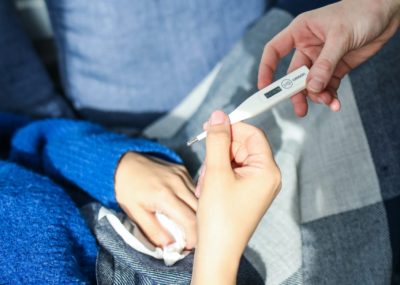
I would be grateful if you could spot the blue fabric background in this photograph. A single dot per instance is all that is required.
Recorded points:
(21, 72)
(129, 57)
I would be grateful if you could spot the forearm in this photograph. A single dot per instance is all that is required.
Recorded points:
(214, 267)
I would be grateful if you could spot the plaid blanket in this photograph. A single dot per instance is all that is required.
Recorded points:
(336, 220)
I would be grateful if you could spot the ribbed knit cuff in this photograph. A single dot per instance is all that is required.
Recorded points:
(80, 153)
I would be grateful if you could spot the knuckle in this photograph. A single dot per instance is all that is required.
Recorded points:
(324, 65)
(300, 18)
(266, 47)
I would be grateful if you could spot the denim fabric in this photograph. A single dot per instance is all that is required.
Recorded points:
(125, 63)
(117, 263)
(25, 87)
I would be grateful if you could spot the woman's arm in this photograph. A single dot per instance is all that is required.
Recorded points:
(238, 183)
(139, 175)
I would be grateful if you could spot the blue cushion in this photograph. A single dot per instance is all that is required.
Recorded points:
(135, 60)
(24, 85)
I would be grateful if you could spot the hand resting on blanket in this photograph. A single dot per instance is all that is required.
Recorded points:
(145, 185)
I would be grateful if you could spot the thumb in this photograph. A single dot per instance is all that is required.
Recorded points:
(323, 68)
(218, 143)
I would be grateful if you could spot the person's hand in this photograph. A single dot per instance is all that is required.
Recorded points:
(239, 182)
(332, 41)
(144, 185)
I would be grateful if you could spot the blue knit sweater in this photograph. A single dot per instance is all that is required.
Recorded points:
(43, 238)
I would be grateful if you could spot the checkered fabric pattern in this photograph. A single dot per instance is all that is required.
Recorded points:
(336, 218)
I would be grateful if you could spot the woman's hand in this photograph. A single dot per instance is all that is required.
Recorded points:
(238, 183)
(332, 41)
(144, 185)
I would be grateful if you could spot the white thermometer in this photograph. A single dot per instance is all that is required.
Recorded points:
(266, 98)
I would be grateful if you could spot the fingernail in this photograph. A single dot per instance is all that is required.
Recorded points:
(205, 126)
(217, 117)
(202, 170)
(325, 98)
(335, 105)
(315, 85)
(197, 192)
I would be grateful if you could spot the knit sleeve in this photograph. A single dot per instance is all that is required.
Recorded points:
(80, 153)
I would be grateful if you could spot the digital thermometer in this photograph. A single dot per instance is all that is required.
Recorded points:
(266, 98)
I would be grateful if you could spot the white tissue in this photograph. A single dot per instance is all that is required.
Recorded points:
(133, 237)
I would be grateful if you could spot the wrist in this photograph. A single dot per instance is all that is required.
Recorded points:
(214, 266)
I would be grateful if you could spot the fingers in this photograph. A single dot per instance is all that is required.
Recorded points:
(299, 100)
(149, 224)
(324, 67)
(250, 145)
(182, 215)
(184, 188)
(218, 144)
(274, 50)
(300, 104)
(187, 196)
(200, 181)
(328, 95)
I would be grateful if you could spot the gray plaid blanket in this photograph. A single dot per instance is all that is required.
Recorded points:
(336, 218)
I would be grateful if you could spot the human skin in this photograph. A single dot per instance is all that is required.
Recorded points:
(240, 173)
(332, 41)
(145, 185)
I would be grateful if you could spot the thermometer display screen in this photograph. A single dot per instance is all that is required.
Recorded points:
(272, 92)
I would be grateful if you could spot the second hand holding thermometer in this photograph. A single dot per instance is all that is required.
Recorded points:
(266, 98)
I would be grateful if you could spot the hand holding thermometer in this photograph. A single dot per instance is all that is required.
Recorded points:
(266, 98)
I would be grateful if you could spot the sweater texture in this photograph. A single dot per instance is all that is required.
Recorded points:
(43, 236)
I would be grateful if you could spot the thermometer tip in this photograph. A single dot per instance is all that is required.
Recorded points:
(192, 141)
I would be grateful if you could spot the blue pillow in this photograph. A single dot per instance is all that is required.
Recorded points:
(25, 87)
(125, 63)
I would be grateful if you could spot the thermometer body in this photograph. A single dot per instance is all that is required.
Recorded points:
(266, 98)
